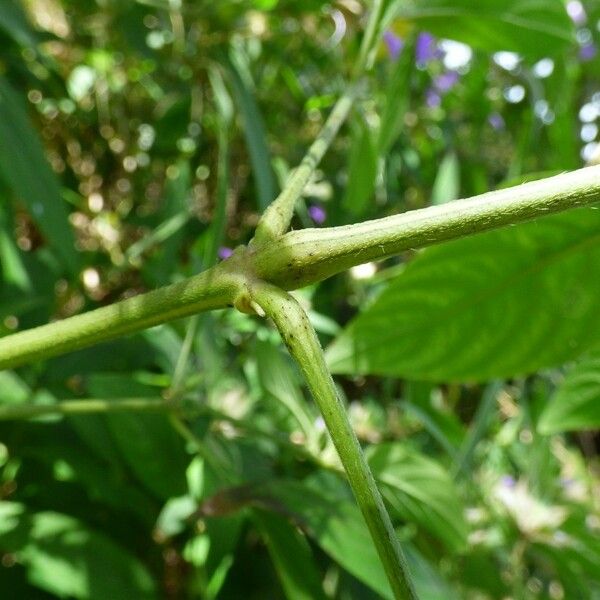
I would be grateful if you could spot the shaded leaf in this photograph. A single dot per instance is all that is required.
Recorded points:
(291, 556)
(64, 557)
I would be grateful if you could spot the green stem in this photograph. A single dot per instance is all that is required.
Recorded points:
(299, 258)
(303, 344)
(212, 289)
(276, 219)
(310, 255)
(13, 412)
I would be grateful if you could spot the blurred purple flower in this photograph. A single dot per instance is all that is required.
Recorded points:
(317, 214)
(224, 252)
(432, 98)
(446, 81)
(576, 11)
(394, 44)
(496, 120)
(426, 49)
(587, 52)
(508, 481)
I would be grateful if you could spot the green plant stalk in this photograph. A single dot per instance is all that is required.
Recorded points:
(299, 258)
(13, 412)
(211, 289)
(278, 215)
(306, 256)
(303, 344)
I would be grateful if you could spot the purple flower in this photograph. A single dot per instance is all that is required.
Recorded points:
(496, 120)
(446, 81)
(432, 98)
(508, 481)
(317, 214)
(576, 11)
(224, 252)
(426, 48)
(588, 51)
(394, 44)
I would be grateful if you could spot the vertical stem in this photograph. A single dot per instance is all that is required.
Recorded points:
(303, 344)
(276, 219)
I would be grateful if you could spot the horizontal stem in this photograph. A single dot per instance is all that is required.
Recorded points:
(309, 255)
(14, 412)
(209, 290)
(303, 344)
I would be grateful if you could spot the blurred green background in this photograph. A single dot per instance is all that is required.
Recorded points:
(139, 143)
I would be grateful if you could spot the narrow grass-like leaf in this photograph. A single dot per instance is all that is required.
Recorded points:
(254, 129)
(25, 169)
(362, 170)
(14, 22)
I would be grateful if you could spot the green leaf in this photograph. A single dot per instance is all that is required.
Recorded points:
(494, 305)
(362, 170)
(323, 508)
(536, 27)
(576, 403)
(292, 557)
(420, 490)
(66, 558)
(396, 99)
(29, 175)
(254, 128)
(446, 186)
(338, 527)
(14, 22)
(148, 443)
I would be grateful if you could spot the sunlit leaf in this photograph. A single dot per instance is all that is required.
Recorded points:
(495, 305)
(532, 27)
(576, 403)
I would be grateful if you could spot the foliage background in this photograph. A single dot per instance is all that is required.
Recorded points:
(139, 142)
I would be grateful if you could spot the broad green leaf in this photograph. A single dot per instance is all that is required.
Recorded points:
(29, 175)
(533, 27)
(576, 403)
(420, 490)
(337, 526)
(280, 381)
(362, 170)
(148, 443)
(323, 508)
(66, 558)
(292, 557)
(494, 305)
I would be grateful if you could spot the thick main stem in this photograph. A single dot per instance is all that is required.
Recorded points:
(303, 344)
(310, 255)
